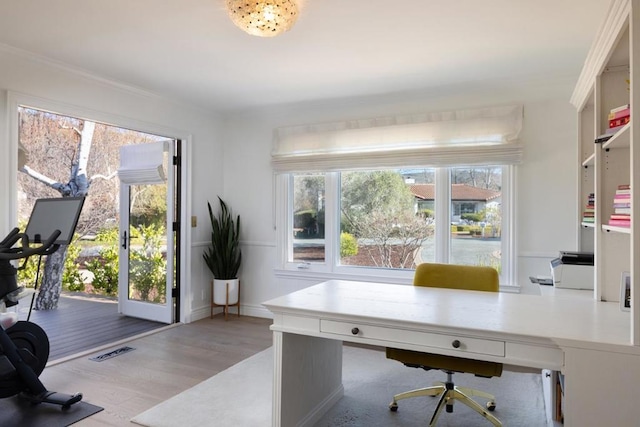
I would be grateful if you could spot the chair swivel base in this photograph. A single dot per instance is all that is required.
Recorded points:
(450, 393)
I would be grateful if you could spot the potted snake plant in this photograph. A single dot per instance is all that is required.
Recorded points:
(223, 256)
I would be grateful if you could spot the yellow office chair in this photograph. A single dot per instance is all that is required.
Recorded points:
(455, 277)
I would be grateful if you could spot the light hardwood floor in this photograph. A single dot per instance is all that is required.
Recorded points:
(162, 365)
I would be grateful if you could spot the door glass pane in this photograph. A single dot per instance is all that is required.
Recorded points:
(308, 217)
(387, 218)
(148, 243)
(476, 216)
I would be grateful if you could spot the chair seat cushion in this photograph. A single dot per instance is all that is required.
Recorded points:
(446, 363)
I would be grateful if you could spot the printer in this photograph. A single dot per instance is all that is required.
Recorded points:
(573, 270)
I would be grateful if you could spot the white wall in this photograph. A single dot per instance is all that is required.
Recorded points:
(72, 92)
(231, 158)
(546, 182)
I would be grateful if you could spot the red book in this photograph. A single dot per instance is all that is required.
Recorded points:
(619, 122)
(618, 196)
(624, 186)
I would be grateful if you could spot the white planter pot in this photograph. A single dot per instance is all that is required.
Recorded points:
(222, 288)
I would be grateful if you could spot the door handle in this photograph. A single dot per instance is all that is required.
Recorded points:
(124, 240)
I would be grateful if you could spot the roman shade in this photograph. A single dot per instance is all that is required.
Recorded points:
(486, 136)
(142, 163)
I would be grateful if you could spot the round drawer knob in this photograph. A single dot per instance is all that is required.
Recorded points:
(456, 344)
(355, 331)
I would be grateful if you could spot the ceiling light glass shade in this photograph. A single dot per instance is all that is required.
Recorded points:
(263, 18)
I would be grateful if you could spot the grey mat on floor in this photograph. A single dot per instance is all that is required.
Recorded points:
(241, 396)
(18, 412)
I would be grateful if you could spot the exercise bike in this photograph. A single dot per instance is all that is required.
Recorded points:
(24, 346)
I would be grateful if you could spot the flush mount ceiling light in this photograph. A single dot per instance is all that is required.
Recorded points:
(263, 18)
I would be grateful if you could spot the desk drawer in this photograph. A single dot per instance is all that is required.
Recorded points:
(385, 335)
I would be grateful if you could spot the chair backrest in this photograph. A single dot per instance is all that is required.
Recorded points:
(454, 276)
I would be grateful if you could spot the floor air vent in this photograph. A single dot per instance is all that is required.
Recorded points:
(112, 353)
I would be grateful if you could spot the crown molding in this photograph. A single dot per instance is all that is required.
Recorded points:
(606, 38)
(77, 71)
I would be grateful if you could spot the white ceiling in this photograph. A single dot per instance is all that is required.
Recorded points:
(190, 50)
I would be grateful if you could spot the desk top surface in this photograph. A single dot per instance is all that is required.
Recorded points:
(556, 317)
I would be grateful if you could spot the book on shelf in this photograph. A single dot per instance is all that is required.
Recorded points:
(588, 214)
(619, 122)
(620, 222)
(621, 206)
(620, 108)
(612, 131)
(626, 217)
(623, 193)
(618, 114)
(621, 216)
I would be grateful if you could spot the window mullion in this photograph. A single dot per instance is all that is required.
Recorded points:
(332, 219)
(509, 249)
(443, 214)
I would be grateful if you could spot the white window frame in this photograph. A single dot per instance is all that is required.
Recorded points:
(331, 269)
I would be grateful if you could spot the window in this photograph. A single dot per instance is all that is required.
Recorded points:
(382, 222)
(379, 196)
(308, 217)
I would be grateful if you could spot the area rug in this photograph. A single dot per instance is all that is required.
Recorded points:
(20, 413)
(241, 396)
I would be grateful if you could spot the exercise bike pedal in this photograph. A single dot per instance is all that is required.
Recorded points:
(53, 397)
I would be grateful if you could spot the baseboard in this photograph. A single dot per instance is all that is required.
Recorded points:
(245, 310)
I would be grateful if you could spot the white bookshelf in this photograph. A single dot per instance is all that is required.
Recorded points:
(608, 80)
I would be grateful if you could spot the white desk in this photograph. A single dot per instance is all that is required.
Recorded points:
(585, 339)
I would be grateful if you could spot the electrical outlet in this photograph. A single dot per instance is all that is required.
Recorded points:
(194, 221)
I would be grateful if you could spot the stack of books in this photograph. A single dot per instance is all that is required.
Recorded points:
(588, 215)
(621, 216)
(618, 118)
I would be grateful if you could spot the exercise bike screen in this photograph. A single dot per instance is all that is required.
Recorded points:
(53, 214)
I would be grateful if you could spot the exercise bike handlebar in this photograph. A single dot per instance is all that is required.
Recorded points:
(8, 252)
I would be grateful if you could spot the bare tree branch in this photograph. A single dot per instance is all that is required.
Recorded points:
(40, 177)
(75, 129)
(100, 176)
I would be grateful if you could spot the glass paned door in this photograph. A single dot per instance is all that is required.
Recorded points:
(146, 269)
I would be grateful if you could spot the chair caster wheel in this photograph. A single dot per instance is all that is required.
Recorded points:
(491, 406)
(393, 407)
